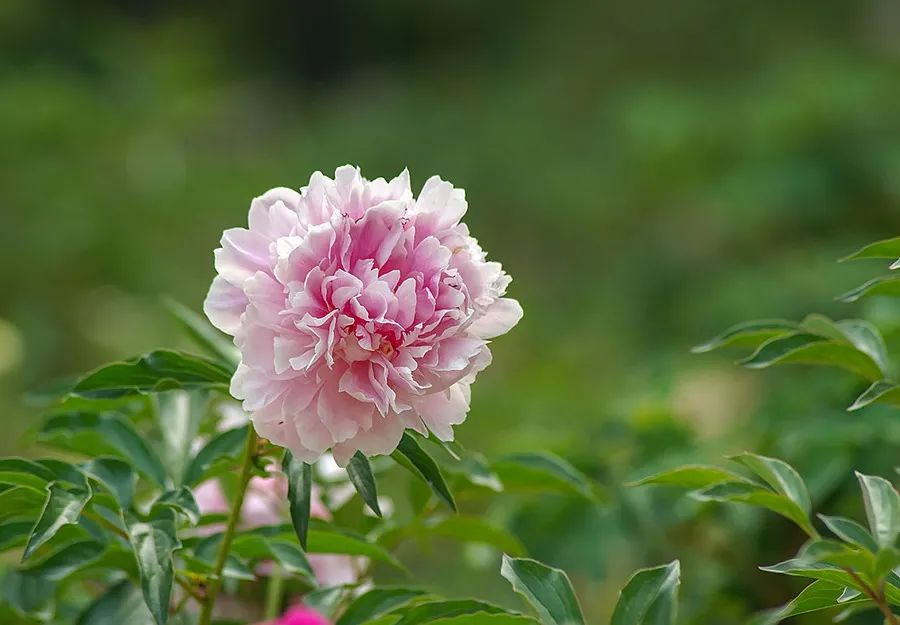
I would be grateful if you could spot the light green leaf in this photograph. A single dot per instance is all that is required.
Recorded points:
(781, 476)
(161, 370)
(377, 602)
(882, 508)
(881, 392)
(338, 540)
(256, 546)
(62, 507)
(885, 286)
(850, 531)
(747, 334)
(120, 605)
(179, 414)
(820, 595)
(228, 444)
(420, 613)
(181, 501)
(650, 596)
(543, 471)
(108, 431)
(416, 460)
(812, 349)
(20, 502)
(360, 473)
(22, 472)
(755, 495)
(114, 475)
(886, 249)
(299, 476)
(546, 589)
(691, 477)
(204, 334)
(153, 543)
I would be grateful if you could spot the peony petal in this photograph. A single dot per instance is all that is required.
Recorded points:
(498, 319)
(224, 305)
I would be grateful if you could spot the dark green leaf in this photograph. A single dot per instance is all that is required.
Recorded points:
(882, 508)
(781, 476)
(204, 334)
(63, 506)
(812, 349)
(120, 605)
(543, 471)
(360, 473)
(181, 501)
(340, 541)
(22, 472)
(377, 602)
(650, 596)
(67, 560)
(157, 371)
(116, 433)
(28, 594)
(546, 589)
(14, 534)
(429, 612)
(227, 444)
(153, 543)
(410, 455)
(484, 618)
(748, 334)
(115, 475)
(820, 595)
(299, 476)
(758, 496)
(20, 502)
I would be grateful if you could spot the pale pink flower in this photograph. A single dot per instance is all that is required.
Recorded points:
(265, 504)
(359, 311)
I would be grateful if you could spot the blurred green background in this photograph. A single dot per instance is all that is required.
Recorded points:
(648, 172)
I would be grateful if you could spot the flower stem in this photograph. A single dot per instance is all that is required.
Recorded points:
(274, 593)
(215, 582)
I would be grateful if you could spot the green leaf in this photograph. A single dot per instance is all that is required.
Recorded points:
(416, 460)
(820, 595)
(546, 589)
(886, 249)
(484, 618)
(475, 530)
(650, 596)
(543, 471)
(755, 495)
(850, 531)
(204, 334)
(360, 473)
(28, 594)
(62, 507)
(255, 546)
(20, 502)
(812, 349)
(121, 604)
(837, 554)
(67, 560)
(14, 534)
(377, 602)
(299, 476)
(115, 433)
(881, 392)
(885, 286)
(429, 612)
(153, 543)
(181, 501)
(161, 370)
(114, 475)
(813, 570)
(326, 601)
(179, 414)
(747, 334)
(781, 476)
(882, 508)
(227, 444)
(691, 477)
(22, 472)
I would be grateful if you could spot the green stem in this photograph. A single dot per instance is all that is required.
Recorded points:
(215, 582)
(274, 594)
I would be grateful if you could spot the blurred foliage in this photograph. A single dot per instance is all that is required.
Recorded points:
(649, 173)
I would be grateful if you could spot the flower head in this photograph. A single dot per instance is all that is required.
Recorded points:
(300, 615)
(359, 311)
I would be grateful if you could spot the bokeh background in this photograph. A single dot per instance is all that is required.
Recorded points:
(648, 172)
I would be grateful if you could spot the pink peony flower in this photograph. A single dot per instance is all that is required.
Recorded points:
(300, 615)
(359, 311)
